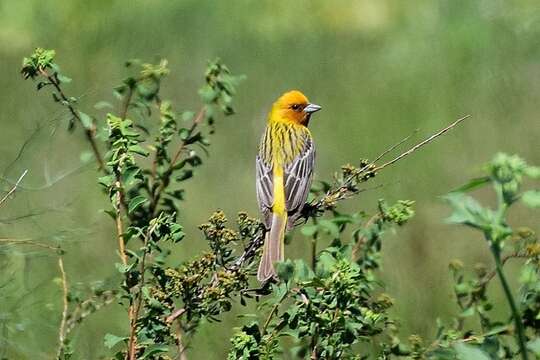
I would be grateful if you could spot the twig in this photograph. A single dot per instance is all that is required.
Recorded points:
(28, 242)
(135, 308)
(119, 223)
(270, 315)
(125, 105)
(156, 193)
(88, 307)
(346, 188)
(360, 242)
(62, 329)
(436, 343)
(14, 187)
(520, 332)
(181, 346)
(391, 148)
(63, 277)
(88, 132)
(487, 278)
(175, 315)
(419, 145)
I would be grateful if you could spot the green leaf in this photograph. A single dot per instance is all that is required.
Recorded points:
(468, 211)
(122, 268)
(106, 181)
(136, 202)
(285, 269)
(188, 116)
(153, 350)
(137, 149)
(308, 230)
(302, 271)
(533, 172)
(100, 105)
(469, 352)
(472, 184)
(63, 79)
(86, 120)
(111, 340)
(534, 346)
(86, 157)
(130, 174)
(330, 228)
(467, 313)
(531, 198)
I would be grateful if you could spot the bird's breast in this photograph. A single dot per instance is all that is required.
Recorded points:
(282, 143)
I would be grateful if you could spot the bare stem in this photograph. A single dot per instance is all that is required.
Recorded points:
(88, 132)
(391, 148)
(270, 316)
(28, 242)
(520, 332)
(419, 145)
(164, 181)
(136, 306)
(119, 224)
(180, 343)
(361, 241)
(14, 187)
(62, 329)
(175, 315)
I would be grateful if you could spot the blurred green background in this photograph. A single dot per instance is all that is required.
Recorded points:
(379, 68)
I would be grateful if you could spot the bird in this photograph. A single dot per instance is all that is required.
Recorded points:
(284, 172)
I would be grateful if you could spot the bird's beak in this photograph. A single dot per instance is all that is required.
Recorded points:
(311, 108)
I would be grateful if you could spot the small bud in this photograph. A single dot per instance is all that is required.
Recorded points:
(480, 269)
(455, 265)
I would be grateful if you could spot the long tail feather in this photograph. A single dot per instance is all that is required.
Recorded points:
(273, 248)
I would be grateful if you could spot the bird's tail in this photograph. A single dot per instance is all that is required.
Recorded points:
(273, 247)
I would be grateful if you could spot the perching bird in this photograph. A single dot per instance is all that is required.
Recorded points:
(284, 173)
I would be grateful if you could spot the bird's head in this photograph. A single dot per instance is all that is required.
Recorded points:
(293, 106)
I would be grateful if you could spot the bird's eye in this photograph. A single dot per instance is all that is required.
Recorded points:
(295, 107)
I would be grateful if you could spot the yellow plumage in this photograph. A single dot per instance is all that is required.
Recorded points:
(284, 172)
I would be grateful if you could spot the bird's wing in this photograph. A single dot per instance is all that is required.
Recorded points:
(265, 184)
(298, 176)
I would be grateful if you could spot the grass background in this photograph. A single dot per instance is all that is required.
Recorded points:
(380, 69)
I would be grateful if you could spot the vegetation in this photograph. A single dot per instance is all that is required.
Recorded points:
(333, 307)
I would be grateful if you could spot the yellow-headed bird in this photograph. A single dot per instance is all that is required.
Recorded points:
(284, 172)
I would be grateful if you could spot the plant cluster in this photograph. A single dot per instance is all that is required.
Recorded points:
(331, 307)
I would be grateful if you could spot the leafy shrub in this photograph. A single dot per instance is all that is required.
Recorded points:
(332, 307)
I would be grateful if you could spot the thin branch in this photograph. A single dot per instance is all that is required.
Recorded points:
(390, 149)
(180, 343)
(270, 315)
(164, 181)
(487, 278)
(28, 242)
(63, 277)
(419, 145)
(127, 102)
(196, 121)
(119, 224)
(14, 187)
(62, 329)
(472, 338)
(88, 307)
(361, 241)
(88, 132)
(136, 307)
(364, 173)
(175, 315)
